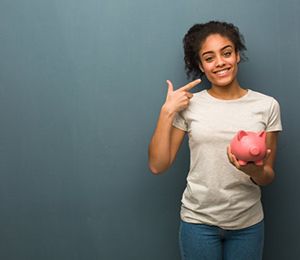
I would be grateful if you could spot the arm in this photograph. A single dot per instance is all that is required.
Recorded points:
(167, 139)
(261, 175)
(164, 144)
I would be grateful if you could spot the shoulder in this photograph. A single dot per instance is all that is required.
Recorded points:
(261, 96)
(266, 103)
(199, 95)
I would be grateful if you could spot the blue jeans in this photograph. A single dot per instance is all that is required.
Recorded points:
(204, 242)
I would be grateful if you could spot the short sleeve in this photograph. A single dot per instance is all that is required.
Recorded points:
(274, 120)
(179, 122)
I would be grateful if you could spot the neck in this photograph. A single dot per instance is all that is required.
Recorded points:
(232, 91)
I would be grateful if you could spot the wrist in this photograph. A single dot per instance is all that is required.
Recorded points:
(257, 174)
(263, 177)
(251, 179)
(167, 111)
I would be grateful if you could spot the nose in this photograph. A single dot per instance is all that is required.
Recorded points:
(219, 61)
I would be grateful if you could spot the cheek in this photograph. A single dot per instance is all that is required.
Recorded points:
(207, 67)
(234, 61)
(234, 65)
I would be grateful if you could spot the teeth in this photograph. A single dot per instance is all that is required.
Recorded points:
(222, 72)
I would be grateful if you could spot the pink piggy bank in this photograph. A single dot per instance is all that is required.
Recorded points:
(249, 147)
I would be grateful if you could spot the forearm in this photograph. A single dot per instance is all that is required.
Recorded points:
(159, 148)
(263, 177)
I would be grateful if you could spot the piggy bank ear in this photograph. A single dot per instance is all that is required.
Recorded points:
(241, 134)
(262, 134)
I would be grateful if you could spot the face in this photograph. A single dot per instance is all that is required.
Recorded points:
(219, 60)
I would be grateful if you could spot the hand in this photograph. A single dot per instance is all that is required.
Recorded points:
(250, 169)
(178, 100)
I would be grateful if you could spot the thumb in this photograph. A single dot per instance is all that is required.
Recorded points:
(170, 86)
(267, 154)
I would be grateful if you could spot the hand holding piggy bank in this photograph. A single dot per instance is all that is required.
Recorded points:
(249, 147)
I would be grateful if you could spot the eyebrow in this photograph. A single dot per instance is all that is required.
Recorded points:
(207, 52)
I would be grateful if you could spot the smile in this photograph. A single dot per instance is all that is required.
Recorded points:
(222, 72)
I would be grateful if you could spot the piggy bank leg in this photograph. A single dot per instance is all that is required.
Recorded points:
(259, 163)
(241, 162)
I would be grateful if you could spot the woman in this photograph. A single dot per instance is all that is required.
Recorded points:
(221, 212)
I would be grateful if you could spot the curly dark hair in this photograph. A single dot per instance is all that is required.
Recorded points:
(197, 34)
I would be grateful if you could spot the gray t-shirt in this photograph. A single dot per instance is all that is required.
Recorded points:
(217, 193)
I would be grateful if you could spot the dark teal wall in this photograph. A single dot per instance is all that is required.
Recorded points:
(81, 85)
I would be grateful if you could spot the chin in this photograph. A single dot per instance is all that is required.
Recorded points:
(222, 83)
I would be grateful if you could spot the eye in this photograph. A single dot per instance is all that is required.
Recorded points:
(208, 59)
(227, 53)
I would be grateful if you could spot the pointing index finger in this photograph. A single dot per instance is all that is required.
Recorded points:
(190, 85)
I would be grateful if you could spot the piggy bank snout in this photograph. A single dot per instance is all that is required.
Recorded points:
(254, 150)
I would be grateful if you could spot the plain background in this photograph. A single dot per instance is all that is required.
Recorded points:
(81, 86)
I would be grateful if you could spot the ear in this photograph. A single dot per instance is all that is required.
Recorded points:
(238, 57)
(200, 66)
(241, 134)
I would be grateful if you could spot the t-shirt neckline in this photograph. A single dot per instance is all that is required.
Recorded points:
(227, 100)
